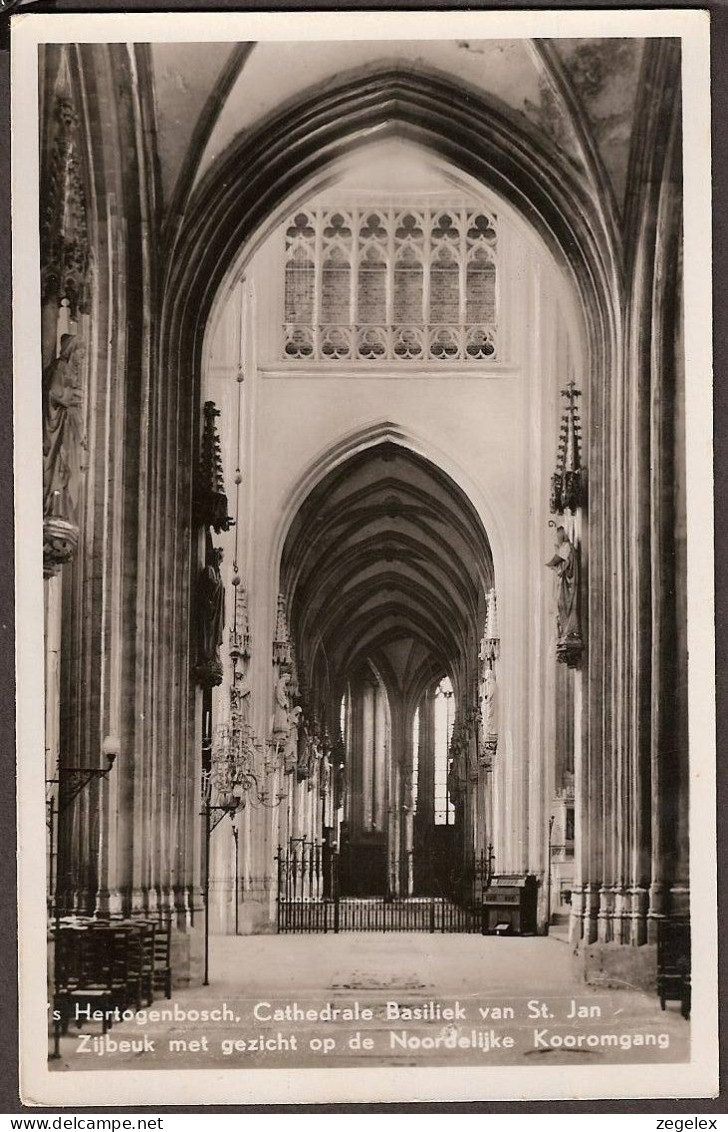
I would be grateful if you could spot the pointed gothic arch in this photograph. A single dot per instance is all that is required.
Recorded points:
(232, 208)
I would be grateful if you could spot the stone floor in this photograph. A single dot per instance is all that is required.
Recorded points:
(481, 1000)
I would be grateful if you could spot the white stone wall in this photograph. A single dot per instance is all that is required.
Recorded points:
(491, 426)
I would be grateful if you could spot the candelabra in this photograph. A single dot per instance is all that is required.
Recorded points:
(229, 784)
(213, 813)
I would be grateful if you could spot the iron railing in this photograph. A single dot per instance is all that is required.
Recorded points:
(309, 901)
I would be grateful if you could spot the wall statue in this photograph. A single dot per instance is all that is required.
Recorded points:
(281, 707)
(315, 755)
(292, 739)
(471, 740)
(456, 773)
(240, 696)
(325, 776)
(490, 702)
(565, 564)
(340, 785)
(210, 619)
(308, 753)
(488, 731)
(63, 431)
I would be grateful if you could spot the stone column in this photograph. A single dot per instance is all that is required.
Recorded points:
(394, 830)
(425, 816)
(669, 749)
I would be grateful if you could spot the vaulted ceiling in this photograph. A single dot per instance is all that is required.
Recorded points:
(579, 92)
(386, 560)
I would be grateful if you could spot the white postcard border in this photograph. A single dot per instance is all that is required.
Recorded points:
(158, 1087)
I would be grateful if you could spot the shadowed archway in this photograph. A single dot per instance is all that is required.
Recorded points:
(385, 571)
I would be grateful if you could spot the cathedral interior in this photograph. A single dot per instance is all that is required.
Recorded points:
(364, 488)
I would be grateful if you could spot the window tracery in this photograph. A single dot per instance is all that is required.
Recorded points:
(376, 284)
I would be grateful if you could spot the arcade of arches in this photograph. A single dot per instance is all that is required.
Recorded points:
(326, 547)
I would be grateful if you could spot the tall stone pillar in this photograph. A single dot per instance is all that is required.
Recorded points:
(425, 814)
(65, 270)
(632, 778)
(52, 611)
(669, 746)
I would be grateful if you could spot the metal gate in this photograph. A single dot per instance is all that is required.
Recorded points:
(309, 901)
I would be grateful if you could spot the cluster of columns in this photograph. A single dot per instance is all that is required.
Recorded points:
(632, 780)
(125, 839)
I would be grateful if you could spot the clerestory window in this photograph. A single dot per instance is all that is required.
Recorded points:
(390, 284)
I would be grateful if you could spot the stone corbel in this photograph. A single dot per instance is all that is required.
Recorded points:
(60, 540)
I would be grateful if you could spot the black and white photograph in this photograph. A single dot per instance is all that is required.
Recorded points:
(363, 416)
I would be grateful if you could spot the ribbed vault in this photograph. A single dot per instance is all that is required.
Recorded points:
(386, 560)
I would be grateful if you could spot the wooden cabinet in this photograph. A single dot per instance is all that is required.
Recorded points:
(673, 963)
(509, 905)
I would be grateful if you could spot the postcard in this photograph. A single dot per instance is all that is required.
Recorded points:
(363, 416)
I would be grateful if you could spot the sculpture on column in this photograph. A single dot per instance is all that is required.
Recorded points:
(490, 702)
(488, 692)
(289, 731)
(286, 723)
(471, 737)
(240, 697)
(565, 564)
(65, 264)
(315, 755)
(281, 712)
(210, 620)
(325, 776)
(305, 755)
(63, 440)
(456, 773)
(63, 446)
(292, 740)
(489, 715)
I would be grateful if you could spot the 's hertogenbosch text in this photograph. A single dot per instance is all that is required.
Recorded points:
(358, 1027)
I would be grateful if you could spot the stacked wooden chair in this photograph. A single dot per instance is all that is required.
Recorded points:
(107, 964)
